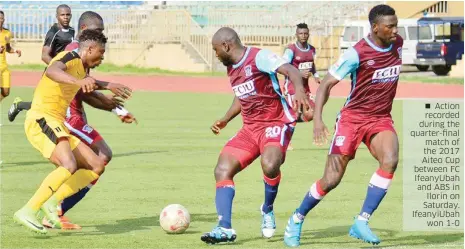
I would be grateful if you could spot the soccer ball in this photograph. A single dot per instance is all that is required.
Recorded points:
(175, 218)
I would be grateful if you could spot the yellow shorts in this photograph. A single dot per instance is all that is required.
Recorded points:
(5, 77)
(43, 133)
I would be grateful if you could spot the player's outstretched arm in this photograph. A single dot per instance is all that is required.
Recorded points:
(233, 111)
(347, 63)
(118, 89)
(57, 72)
(101, 101)
(296, 79)
(320, 131)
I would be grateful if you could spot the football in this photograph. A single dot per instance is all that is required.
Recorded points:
(175, 219)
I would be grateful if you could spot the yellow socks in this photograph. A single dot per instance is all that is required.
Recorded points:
(76, 182)
(49, 186)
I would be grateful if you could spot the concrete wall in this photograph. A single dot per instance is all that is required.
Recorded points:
(164, 56)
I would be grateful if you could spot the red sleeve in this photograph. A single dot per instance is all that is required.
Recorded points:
(72, 46)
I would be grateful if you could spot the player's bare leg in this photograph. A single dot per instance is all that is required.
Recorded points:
(5, 92)
(90, 167)
(227, 167)
(271, 161)
(63, 158)
(104, 152)
(384, 147)
(334, 171)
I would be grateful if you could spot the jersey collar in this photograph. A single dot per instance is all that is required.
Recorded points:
(243, 59)
(303, 50)
(375, 47)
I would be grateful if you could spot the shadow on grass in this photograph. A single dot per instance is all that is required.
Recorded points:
(139, 224)
(337, 234)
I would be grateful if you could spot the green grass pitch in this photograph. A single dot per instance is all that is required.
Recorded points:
(169, 158)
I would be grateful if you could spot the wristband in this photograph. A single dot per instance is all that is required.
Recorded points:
(120, 111)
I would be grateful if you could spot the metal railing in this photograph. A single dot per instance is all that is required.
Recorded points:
(256, 27)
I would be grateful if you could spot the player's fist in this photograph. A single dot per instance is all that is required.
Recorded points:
(87, 84)
(218, 125)
(320, 133)
(305, 73)
(128, 118)
(2, 48)
(18, 52)
(301, 99)
(120, 90)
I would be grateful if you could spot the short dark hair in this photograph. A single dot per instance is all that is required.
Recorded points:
(63, 6)
(92, 35)
(302, 26)
(88, 17)
(380, 10)
(1, 12)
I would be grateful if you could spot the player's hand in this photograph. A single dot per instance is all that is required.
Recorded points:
(2, 48)
(218, 125)
(305, 73)
(320, 133)
(128, 119)
(115, 101)
(301, 99)
(18, 52)
(120, 90)
(87, 84)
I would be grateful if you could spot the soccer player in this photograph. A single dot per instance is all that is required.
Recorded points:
(76, 121)
(56, 40)
(59, 35)
(5, 46)
(302, 56)
(374, 64)
(77, 165)
(268, 124)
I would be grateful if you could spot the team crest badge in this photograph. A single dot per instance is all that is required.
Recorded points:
(87, 129)
(297, 57)
(399, 51)
(371, 62)
(248, 70)
(340, 140)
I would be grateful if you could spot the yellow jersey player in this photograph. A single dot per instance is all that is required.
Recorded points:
(5, 46)
(77, 165)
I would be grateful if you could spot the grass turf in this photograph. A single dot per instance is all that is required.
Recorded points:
(169, 158)
(133, 70)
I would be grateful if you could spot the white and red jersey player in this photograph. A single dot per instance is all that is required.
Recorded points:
(267, 117)
(374, 74)
(76, 120)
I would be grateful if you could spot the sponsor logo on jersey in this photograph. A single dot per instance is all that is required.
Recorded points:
(305, 65)
(244, 90)
(370, 62)
(248, 70)
(385, 75)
